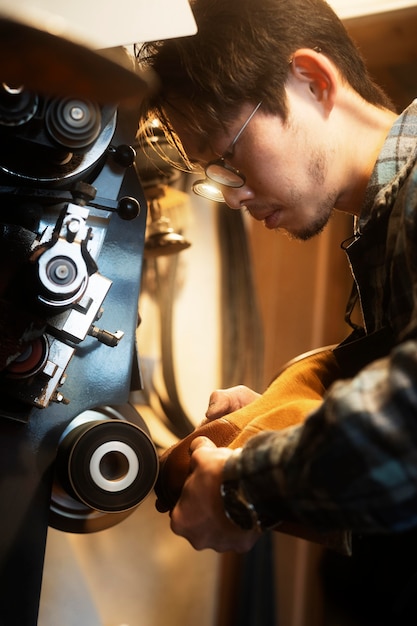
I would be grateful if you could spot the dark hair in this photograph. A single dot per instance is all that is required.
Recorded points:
(241, 54)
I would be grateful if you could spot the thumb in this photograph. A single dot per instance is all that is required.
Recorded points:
(219, 404)
(201, 442)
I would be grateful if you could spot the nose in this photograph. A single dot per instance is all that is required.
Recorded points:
(236, 198)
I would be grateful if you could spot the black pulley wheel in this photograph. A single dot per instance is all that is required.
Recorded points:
(105, 467)
(73, 123)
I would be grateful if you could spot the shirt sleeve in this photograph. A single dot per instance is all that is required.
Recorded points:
(353, 463)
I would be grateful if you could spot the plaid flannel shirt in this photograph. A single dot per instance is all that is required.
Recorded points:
(353, 463)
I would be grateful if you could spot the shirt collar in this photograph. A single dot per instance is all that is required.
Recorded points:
(399, 147)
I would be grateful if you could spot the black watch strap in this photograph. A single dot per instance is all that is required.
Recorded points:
(236, 502)
(237, 505)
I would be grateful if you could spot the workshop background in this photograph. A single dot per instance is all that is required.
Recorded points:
(210, 317)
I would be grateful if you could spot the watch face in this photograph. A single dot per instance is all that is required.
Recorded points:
(237, 509)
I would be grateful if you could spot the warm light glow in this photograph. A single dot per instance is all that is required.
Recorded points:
(205, 189)
(356, 8)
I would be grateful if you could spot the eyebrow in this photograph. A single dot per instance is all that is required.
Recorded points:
(202, 146)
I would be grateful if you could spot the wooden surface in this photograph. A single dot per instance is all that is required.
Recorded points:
(389, 44)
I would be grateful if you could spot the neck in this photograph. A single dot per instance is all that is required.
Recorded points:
(366, 132)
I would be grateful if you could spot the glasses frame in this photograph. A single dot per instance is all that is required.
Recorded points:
(221, 162)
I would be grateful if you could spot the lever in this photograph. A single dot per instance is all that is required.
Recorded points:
(106, 337)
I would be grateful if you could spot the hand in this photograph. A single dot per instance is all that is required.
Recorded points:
(225, 401)
(199, 515)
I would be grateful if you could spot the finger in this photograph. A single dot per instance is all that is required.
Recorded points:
(201, 442)
(219, 404)
(161, 507)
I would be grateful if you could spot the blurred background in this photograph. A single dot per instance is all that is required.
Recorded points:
(213, 291)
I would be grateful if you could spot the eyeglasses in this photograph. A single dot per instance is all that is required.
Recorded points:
(219, 172)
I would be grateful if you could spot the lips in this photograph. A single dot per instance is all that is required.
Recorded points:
(271, 219)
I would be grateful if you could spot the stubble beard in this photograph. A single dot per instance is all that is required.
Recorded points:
(317, 172)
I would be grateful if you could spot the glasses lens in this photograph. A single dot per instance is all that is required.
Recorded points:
(223, 174)
(208, 190)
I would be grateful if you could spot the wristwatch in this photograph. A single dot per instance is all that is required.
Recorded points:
(236, 503)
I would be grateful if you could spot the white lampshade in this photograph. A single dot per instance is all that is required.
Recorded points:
(107, 24)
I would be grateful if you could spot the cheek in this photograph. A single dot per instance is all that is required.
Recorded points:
(263, 166)
(275, 174)
(275, 160)
(318, 167)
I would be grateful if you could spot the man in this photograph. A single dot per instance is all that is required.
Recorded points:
(272, 102)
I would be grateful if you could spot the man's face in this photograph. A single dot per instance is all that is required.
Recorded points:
(291, 177)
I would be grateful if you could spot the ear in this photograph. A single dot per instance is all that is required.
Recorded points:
(315, 71)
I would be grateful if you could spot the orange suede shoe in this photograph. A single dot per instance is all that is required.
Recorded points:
(291, 397)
